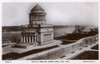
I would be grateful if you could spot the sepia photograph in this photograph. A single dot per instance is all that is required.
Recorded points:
(50, 31)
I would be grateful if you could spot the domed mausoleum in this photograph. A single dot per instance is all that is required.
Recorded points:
(37, 32)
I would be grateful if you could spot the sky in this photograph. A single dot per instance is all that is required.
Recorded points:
(68, 13)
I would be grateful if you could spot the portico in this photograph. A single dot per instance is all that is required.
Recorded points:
(30, 38)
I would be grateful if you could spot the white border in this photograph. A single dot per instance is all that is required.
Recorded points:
(49, 0)
(38, 61)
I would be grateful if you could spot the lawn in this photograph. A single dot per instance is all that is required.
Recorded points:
(87, 55)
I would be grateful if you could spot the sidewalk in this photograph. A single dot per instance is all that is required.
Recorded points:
(76, 53)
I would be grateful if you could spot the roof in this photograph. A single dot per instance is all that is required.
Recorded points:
(37, 8)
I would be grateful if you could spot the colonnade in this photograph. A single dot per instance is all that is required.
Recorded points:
(32, 39)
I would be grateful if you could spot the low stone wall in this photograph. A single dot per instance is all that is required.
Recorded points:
(62, 50)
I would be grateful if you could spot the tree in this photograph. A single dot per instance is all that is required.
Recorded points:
(79, 29)
(93, 31)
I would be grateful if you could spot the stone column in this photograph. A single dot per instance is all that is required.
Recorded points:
(24, 39)
(36, 39)
(21, 38)
(30, 39)
(27, 38)
(33, 39)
